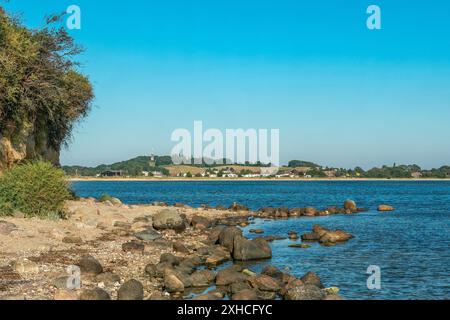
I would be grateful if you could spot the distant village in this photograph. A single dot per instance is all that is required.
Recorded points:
(162, 167)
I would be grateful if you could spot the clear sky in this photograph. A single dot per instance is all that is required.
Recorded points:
(341, 94)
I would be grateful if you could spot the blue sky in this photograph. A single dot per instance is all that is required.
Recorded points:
(340, 94)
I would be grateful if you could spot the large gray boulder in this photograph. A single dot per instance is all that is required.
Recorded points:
(169, 219)
(245, 249)
(227, 235)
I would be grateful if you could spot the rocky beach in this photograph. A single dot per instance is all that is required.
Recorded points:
(157, 252)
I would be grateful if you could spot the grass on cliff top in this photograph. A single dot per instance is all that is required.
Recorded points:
(37, 189)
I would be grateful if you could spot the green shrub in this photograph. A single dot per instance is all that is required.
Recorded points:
(37, 189)
(105, 197)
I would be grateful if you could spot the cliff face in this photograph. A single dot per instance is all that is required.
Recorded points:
(26, 143)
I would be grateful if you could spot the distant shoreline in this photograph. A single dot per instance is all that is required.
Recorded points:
(87, 179)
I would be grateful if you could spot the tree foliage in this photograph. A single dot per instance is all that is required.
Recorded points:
(40, 86)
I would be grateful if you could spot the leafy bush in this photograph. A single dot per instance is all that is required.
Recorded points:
(36, 189)
(105, 197)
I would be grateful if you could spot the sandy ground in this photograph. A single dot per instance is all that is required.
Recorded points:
(98, 225)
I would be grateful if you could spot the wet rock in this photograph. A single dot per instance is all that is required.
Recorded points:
(227, 235)
(266, 295)
(385, 208)
(245, 249)
(199, 222)
(202, 278)
(168, 219)
(305, 292)
(256, 231)
(332, 290)
(246, 294)
(149, 234)
(94, 294)
(210, 296)
(65, 295)
(325, 236)
(133, 247)
(90, 265)
(25, 266)
(108, 278)
(264, 283)
(7, 227)
(295, 212)
(180, 247)
(131, 290)
(350, 205)
(312, 279)
(230, 275)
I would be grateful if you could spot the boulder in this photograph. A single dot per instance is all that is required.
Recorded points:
(90, 265)
(180, 247)
(108, 278)
(264, 283)
(172, 283)
(168, 219)
(170, 259)
(94, 294)
(333, 237)
(245, 249)
(216, 256)
(230, 275)
(199, 222)
(133, 247)
(131, 290)
(149, 234)
(313, 279)
(7, 227)
(239, 286)
(385, 208)
(202, 278)
(350, 205)
(272, 271)
(238, 207)
(151, 270)
(305, 292)
(227, 235)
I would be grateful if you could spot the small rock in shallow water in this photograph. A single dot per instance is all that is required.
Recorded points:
(313, 279)
(131, 290)
(385, 208)
(246, 294)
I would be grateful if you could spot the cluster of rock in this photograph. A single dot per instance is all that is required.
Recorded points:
(325, 236)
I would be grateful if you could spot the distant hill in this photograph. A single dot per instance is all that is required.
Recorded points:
(301, 163)
(132, 167)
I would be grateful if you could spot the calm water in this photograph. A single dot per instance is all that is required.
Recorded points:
(410, 245)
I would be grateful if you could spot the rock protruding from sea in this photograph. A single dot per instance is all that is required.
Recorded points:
(245, 249)
(325, 236)
(385, 208)
(350, 206)
(169, 219)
